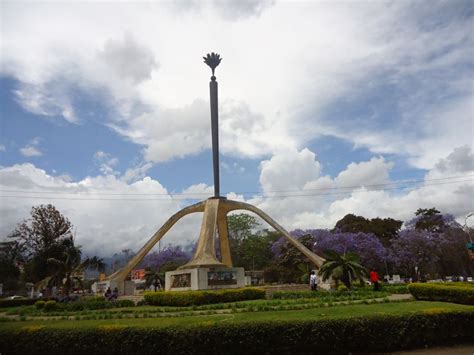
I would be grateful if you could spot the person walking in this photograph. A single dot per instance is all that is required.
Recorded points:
(374, 278)
(313, 281)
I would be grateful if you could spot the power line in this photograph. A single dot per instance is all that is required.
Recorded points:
(170, 199)
(239, 192)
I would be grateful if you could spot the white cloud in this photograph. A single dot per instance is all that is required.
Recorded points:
(110, 214)
(32, 149)
(106, 162)
(236, 10)
(277, 81)
(198, 191)
(289, 170)
(315, 201)
(373, 172)
(232, 168)
(461, 160)
(128, 59)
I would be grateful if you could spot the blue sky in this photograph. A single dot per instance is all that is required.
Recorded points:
(110, 101)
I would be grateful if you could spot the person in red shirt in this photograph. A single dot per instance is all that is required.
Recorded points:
(374, 278)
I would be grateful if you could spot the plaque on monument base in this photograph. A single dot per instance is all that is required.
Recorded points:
(205, 278)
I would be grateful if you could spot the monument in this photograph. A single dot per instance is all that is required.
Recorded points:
(205, 270)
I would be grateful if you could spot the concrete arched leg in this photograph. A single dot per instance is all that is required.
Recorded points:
(223, 230)
(236, 205)
(121, 274)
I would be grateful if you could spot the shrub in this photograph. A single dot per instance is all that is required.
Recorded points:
(124, 303)
(439, 292)
(39, 304)
(194, 298)
(342, 288)
(376, 333)
(399, 289)
(22, 302)
(16, 303)
(50, 306)
(298, 294)
(93, 299)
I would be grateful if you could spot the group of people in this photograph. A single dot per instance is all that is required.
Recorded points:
(374, 280)
(111, 295)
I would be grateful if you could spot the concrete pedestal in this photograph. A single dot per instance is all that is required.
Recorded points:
(205, 278)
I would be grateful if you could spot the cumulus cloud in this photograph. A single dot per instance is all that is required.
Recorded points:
(289, 170)
(316, 201)
(273, 97)
(109, 214)
(236, 10)
(112, 214)
(461, 160)
(128, 59)
(32, 149)
(106, 162)
(375, 171)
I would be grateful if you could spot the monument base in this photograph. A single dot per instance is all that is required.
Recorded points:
(205, 278)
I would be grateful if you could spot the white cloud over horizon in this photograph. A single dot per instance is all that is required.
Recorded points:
(105, 226)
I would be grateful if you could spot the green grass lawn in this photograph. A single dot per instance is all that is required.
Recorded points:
(307, 314)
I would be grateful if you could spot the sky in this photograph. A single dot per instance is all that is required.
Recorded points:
(325, 107)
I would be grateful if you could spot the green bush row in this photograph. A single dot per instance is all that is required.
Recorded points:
(325, 294)
(437, 292)
(195, 298)
(20, 302)
(82, 305)
(377, 333)
(399, 289)
(455, 284)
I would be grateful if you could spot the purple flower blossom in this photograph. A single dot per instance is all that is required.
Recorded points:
(170, 253)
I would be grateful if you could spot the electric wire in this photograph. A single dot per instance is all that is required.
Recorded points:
(171, 198)
(402, 182)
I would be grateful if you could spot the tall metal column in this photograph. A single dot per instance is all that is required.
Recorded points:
(213, 60)
(215, 134)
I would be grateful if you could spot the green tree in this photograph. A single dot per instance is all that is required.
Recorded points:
(289, 263)
(241, 226)
(10, 258)
(429, 219)
(40, 238)
(256, 251)
(345, 268)
(68, 267)
(385, 229)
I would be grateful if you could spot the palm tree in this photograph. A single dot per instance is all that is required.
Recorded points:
(69, 266)
(345, 268)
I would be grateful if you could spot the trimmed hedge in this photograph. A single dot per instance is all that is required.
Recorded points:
(92, 304)
(39, 304)
(50, 306)
(399, 289)
(436, 292)
(378, 333)
(21, 302)
(357, 293)
(196, 298)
